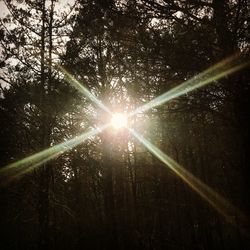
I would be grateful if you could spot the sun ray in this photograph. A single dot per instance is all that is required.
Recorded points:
(221, 69)
(31, 162)
(18, 173)
(83, 89)
(224, 207)
(118, 121)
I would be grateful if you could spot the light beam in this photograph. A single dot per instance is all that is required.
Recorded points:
(231, 213)
(118, 121)
(83, 89)
(29, 163)
(210, 75)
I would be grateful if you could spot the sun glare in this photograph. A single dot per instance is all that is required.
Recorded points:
(119, 121)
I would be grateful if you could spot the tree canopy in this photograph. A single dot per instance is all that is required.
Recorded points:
(177, 177)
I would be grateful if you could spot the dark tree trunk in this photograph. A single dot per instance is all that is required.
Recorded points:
(108, 190)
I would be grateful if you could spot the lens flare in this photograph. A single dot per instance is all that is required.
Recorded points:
(118, 121)
(83, 89)
(231, 213)
(29, 163)
(224, 68)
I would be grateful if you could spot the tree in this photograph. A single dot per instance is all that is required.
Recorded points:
(110, 192)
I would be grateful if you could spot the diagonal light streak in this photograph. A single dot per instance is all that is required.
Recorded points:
(19, 172)
(231, 213)
(27, 164)
(208, 76)
(31, 162)
(83, 89)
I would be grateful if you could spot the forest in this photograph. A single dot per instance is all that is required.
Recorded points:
(124, 124)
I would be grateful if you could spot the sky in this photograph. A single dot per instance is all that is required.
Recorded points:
(62, 4)
(3, 9)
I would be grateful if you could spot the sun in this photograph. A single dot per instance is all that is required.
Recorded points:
(118, 121)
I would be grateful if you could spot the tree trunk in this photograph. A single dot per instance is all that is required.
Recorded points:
(108, 189)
